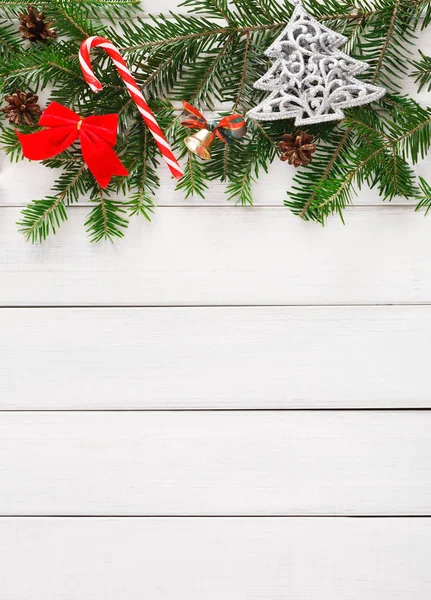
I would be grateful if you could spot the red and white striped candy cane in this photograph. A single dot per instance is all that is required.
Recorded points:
(134, 91)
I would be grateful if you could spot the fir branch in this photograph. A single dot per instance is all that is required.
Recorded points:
(213, 8)
(422, 74)
(207, 33)
(106, 220)
(354, 36)
(409, 126)
(75, 180)
(220, 7)
(424, 8)
(113, 10)
(395, 167)
(377, 159)
(264, 133)
(10, 143)
(9, 44)
(338, 149)
(211, 31)
(158, 34)
(206, 86)
(72, 17)
(387, 39)
(240, 189)
(193, 181)
(243, 72)
(156, 72)
(244, 163)
(141, 202)
(425, 198)
(96, 6)
(364, 151)
(255, 12)
(386, 42)
(225, 175)
(367, 131)
(40, 66)
(42, 217)
(264, 9)
(10, 9)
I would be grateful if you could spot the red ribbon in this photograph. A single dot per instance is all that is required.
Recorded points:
(97, 134)
(227, 129)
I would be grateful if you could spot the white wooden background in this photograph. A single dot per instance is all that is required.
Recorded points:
(229, 403)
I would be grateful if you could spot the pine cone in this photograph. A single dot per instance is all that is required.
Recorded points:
(22, 108)
(297, 148)
(35, 27)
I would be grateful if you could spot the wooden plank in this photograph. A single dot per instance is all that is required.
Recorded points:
(216, 256)
(215, 463)
(238, 357)
(234, 559)
(16, 191)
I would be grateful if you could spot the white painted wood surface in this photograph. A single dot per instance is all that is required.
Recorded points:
(15, 190)
(216, 463)
(214, 340)
(224, 256)
(234, 559)
(225, 357)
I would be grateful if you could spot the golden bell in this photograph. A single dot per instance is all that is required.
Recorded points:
(200, 142)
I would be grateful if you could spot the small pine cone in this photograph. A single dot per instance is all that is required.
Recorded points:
(297, 149)
(22, 108)
(35, 27)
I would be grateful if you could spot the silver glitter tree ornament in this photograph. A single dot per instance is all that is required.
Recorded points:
(311, 79)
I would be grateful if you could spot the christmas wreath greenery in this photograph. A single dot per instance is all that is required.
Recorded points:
(213, 54)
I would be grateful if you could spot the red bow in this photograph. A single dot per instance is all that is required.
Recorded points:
(227, 129)
(98, 135)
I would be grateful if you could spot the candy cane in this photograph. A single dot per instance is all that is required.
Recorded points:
(134, 91)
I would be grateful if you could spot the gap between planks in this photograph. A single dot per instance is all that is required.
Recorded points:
(216, 410)
(218, 517)
(204, 306)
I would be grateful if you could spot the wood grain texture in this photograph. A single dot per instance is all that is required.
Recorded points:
(16, 191)
(238, 357)
(217, 257)
(215, 463)
(233, 559)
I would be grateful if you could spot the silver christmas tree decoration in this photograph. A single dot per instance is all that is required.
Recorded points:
(311, 79)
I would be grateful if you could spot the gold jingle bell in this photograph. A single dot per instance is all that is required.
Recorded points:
(200, 142)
